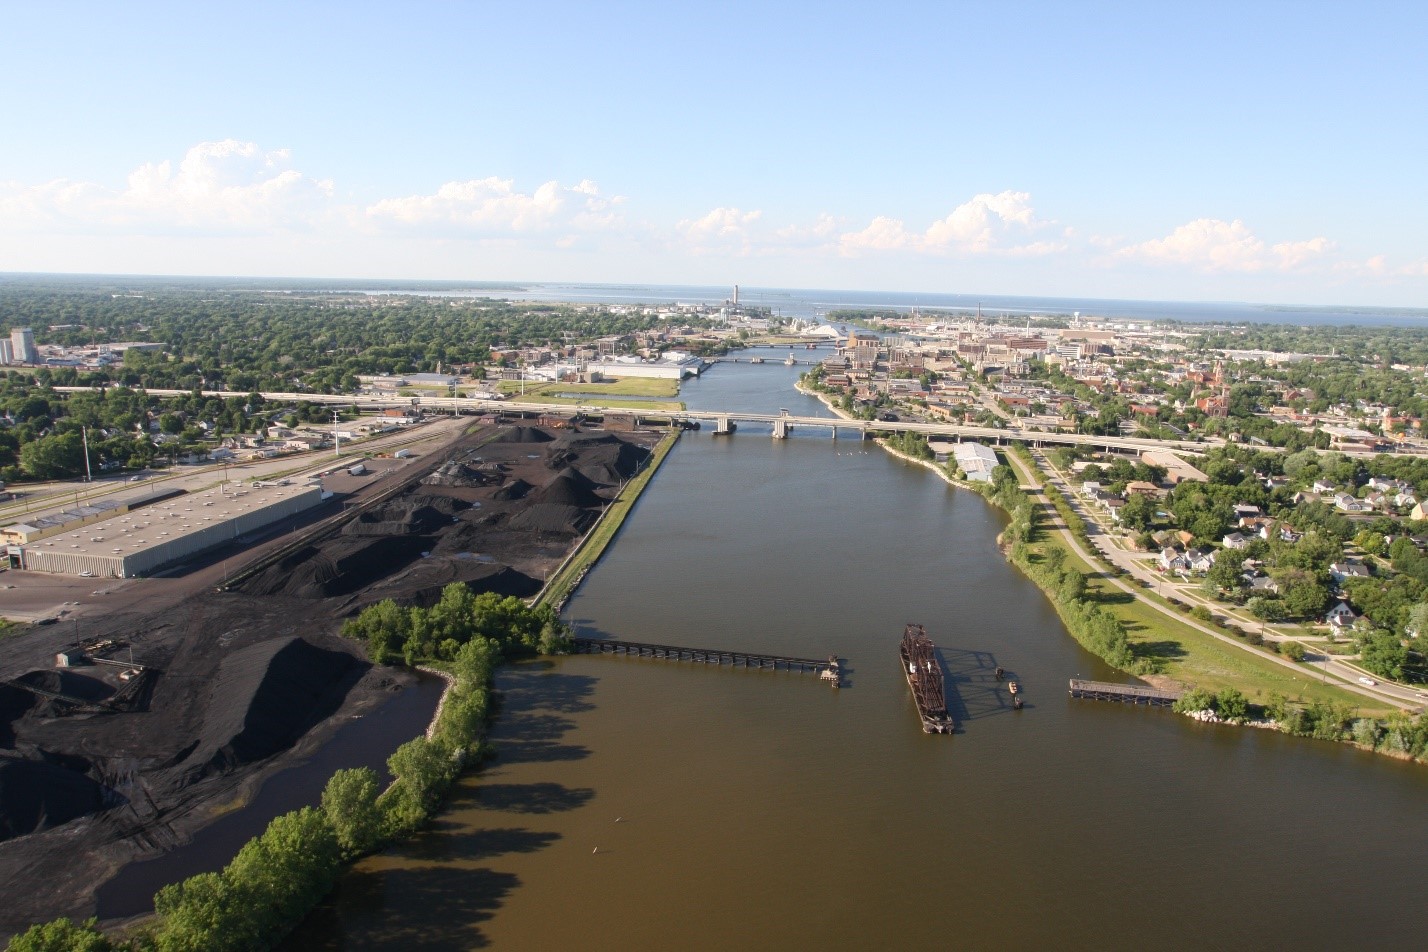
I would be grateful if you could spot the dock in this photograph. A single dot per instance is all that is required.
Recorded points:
(828, 669)
(1122, 693)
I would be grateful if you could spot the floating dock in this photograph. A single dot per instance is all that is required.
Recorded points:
(1122, 693)
(828, 669)
(924, 680)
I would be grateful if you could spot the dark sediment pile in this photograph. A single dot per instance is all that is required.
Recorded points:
(35, 795)
(264, 698)
(602, 457)
(338, 568)
(69, 683)
(459, 474)
(553, 518)
(523, 434)
(515, 489)
(570, 487)
(409, 515)
(422, 583)
(14, 702)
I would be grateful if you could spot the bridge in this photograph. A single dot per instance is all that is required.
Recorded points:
(724, 421)
(829, 669)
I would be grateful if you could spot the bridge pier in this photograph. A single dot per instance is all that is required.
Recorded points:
(780, 429)
(723, 426)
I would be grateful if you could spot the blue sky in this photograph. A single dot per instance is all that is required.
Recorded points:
(1264, 152)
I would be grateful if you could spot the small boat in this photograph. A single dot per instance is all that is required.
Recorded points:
(1000, 673)
(1016, 703)
(1013, 687)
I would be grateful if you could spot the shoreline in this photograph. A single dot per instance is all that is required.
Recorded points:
(1157, 680)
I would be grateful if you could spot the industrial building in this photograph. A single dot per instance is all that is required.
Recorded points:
(143, 540)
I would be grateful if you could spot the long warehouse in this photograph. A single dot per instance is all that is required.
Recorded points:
(138, 542)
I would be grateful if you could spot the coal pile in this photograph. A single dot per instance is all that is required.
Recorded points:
(515, 489)
(410, 515)
(523, 434)
(602, 457)
(14, 703)
(569, 488)
(554, 519)
(35, 795)
(422, 583)
(264, 698)
(81, 687)
(460, 475)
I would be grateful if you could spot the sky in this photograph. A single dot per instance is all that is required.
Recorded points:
(1266, 152)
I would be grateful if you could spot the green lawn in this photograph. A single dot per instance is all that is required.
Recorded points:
(608, 403)
(624, 387)
(1190, 656)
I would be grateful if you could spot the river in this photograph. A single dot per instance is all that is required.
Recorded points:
(650, 804)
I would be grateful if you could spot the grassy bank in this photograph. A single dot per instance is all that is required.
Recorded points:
(558, 588)
(623, 387)
(603, 402)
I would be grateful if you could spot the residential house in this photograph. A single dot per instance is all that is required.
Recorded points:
(1245, 511)
(1341, 616)
(1346, 503)
(1234, 541)
(1340, 572)
(1200, 560)
(1323, 486)
(1172, 560)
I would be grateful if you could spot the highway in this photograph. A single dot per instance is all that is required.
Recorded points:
(477, 405)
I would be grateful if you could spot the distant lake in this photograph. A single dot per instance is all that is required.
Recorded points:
(812, 302)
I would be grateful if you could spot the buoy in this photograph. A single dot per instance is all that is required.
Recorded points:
(595, 850)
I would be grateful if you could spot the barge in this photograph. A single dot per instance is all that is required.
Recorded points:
(924, 679)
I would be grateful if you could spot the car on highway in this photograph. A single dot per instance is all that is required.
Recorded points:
(1369, 681)
(86, 574)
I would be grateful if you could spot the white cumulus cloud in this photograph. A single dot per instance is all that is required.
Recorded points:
(1000, 224)
(226, 185)
(1212, 244)
(494, 205)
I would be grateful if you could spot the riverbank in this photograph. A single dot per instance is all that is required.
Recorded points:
(568, 576)
(1139, 637)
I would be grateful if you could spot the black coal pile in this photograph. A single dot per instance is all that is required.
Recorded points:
(554, 519)
(264, 698)
(523, 434)
(515, 489)
(410, 515)
(423, 582)
(570, 487)
(69, 683)
(35, 795)
(14, 702)
(460, 475)
(338, 568)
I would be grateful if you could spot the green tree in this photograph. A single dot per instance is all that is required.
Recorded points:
(1382, 653)
(61, 935)
(349, 803)
(59, 456)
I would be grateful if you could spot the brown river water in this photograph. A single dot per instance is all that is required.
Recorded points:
(641, 804)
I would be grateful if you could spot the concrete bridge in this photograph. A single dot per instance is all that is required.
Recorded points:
(725, 421)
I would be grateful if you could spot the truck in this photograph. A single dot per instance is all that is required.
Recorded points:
(356, 470)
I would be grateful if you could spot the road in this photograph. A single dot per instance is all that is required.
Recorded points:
(42, 499)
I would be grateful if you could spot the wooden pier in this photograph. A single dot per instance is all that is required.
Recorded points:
(1122, 693)
(828, 668)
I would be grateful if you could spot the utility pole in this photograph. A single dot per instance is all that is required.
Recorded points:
(88, 476)
(336, 437)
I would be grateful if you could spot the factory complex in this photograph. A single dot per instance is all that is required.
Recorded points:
(141, 540)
